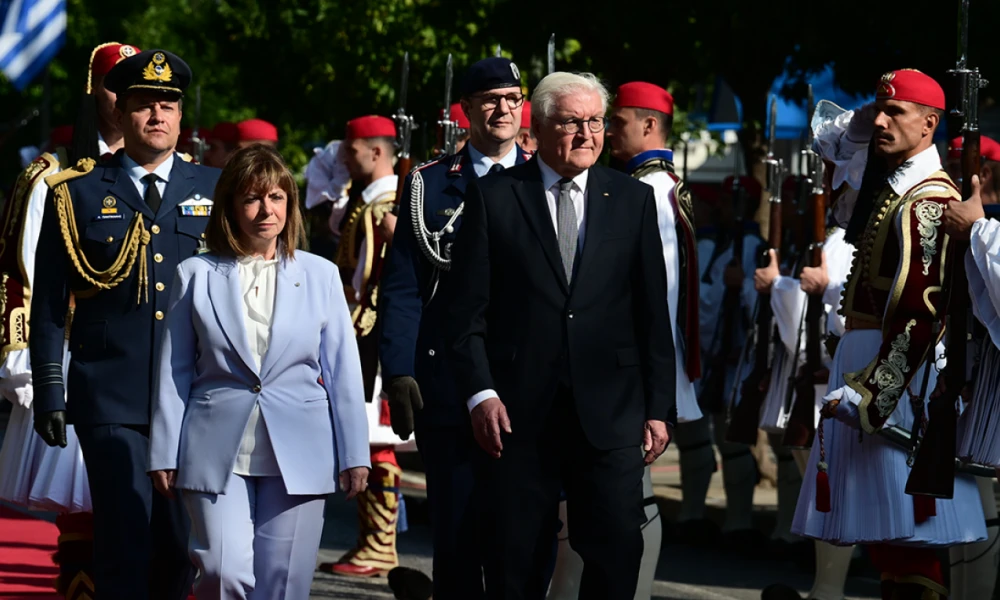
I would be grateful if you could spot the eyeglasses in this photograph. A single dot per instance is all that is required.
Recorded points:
(595, 124)
(490, 101)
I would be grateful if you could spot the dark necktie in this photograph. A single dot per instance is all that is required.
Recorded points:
(496, 168)
(152, 196)
(568, 229)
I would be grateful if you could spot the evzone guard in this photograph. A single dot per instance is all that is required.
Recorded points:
(853, 491)
(366, 222)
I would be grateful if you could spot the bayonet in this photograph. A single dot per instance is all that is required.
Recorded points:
(447, 125)
(551, 54)
(404, 122)
(197, 142)
(497, 52)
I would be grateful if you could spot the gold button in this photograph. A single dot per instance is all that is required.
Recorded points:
(158, 257)
(203, 236)
(155, 229)
(160, 287)
(110, 239)
(159, 315)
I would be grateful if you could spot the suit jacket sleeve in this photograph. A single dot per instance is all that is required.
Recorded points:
(175, 368)
(49, 303)
(656, 339)
(468, 291)
(402, 303)
(340, 366)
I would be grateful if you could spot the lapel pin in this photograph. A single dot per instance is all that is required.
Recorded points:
(606, 194)
(296, 284)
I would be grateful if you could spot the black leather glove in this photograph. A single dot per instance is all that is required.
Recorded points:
(404, 400)
(51, 426)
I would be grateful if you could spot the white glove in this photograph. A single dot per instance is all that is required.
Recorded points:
(862, 124)
(847, 408)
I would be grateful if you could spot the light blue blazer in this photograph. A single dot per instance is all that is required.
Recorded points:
(207, 381)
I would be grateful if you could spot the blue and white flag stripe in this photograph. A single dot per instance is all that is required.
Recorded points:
(32, 33)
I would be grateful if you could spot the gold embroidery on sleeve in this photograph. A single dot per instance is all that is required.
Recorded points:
(889, 376)
(928, 215)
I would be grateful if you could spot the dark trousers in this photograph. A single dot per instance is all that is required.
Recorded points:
(448, 456)
(140, 537)
(521, 490)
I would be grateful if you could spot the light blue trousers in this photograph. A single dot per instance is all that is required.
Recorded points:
(255, 541)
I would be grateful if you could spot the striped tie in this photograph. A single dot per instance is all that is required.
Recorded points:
(568, 228)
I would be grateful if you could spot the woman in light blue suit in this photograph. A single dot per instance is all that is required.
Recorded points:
(258, 411)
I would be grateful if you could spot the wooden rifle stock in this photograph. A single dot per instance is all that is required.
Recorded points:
(933, 472)
(801, 426)
(745, 418)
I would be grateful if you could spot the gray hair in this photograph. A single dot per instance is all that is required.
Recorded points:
(559, 84)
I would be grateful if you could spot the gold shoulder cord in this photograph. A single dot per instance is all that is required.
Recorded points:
(134, 245)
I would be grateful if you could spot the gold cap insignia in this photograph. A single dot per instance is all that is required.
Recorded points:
(110, 201)
(158, 69)
(888, 77)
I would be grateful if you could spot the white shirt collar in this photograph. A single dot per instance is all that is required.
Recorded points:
(137, 171)
(551, 178)
(481, 163)
(102, 146)
(380, 186)
(920, 167)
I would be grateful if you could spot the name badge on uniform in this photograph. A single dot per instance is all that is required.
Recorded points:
(196, 207)
(107, 217)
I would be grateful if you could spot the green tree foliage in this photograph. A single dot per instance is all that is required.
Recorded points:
(310, 65)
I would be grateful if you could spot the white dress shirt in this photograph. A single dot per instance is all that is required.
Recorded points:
(136, 172)
(578, 194)
(257, 282)
(482, 164)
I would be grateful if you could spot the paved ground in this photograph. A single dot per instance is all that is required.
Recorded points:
(684, 573)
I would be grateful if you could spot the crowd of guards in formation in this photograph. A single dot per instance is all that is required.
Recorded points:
(847, 312)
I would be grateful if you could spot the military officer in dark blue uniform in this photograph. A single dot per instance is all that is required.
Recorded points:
(113, 234)
(421, 393)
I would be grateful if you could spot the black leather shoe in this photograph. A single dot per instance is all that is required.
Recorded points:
(780, 591)
(410, 584)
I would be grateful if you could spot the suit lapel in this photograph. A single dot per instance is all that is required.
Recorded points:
(225, 293)
(179, 187)
(598, 205)
(531, 195)
(123, 188)
(288, 294)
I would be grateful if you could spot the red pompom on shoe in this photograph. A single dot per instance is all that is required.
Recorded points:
(822, 489)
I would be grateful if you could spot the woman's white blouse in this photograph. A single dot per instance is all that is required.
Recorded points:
(257, 282)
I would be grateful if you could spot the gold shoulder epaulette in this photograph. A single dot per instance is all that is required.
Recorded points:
(81, 168)
(186, 157)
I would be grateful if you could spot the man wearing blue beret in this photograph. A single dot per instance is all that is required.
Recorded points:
(419, 380)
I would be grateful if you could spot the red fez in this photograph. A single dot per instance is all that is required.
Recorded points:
(955, 147)
(989, 149)
(457, 115)
(257, 130)
(911, 85)
(371, 126)
(106, 56)
(526, 115)
(61, 137)
(225, 132)
(639, 94)
(749, 184)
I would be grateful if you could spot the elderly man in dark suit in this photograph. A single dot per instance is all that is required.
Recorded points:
(561, 342)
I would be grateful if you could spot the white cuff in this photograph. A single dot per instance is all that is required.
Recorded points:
(479, 398)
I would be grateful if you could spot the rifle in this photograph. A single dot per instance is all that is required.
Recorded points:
(197, 143)
(745, 416)
(551, 54)
(447, 126)
(933, 472)
(801, 424)
(365, 321)
(714, 379)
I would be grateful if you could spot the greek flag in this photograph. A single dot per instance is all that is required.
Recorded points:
(31, 34)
